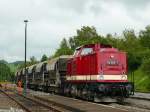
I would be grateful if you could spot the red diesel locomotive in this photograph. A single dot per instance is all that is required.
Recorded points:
(94, 72)
(98, 71)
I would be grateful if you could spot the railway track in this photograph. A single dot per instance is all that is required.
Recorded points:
(7, 104)
(141, 96)
(134, 104)
(30, 104)
(131, 105)
(75, 105)
(47, 103)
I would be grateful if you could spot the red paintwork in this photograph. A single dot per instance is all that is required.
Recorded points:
(96, 62)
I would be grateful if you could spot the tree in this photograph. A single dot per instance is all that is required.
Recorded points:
(146, 66)
(33, 60)
(85, 35)
(133, 48)
(63, 49)
(145, 37)
(114, 40)
(5, 73)
(44, 58)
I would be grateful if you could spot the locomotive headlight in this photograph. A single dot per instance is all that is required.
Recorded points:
(101, 77)
(112, 56)
(123, 77)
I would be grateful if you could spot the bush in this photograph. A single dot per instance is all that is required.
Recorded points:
(146, 66)
(5, 73)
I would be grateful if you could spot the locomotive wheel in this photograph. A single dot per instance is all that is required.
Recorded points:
(85, 93)
(67, 90)
(79, 93)
(95, 98)
(73, 91)
(89, 95)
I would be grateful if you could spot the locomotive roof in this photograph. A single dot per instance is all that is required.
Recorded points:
(101, 45)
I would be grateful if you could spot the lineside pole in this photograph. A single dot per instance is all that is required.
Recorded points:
(26, 77)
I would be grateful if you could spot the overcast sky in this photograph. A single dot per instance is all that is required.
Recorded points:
(52, 20)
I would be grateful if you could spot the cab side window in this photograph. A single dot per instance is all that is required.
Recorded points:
(76, 52)
(86, 51)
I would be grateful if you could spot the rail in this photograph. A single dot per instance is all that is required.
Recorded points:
(30, 104)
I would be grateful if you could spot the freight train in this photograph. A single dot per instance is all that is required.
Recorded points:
(94, 72)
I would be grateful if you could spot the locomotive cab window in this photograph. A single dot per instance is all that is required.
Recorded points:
(76, 52)
(86, 51)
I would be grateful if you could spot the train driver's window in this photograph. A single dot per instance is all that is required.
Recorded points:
(76, 52)
(86, 51)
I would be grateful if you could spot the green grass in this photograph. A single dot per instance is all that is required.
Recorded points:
(142, 81)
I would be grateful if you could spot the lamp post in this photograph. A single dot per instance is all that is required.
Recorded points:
(25, 86)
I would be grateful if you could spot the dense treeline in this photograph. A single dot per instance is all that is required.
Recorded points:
(5, 73)
(137, 47)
